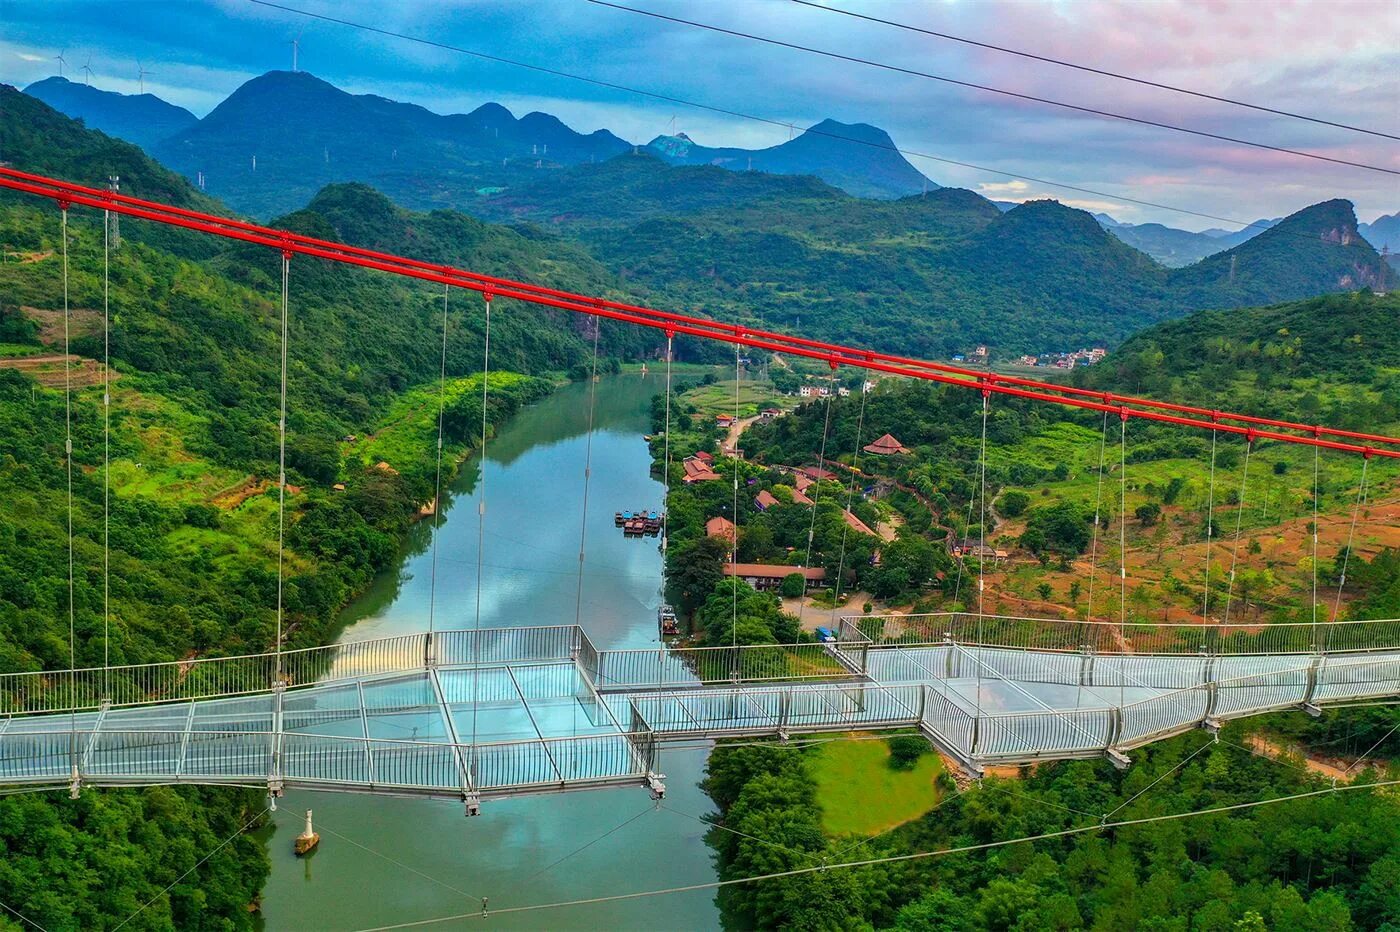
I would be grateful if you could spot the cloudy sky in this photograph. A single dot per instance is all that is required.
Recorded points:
(1338, 60)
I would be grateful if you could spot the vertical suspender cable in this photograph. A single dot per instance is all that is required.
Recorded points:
(437, 479)
(68, 462)
(851, 487)
(282, 467)
(1098, 511)
(587, 472)
(1351, 536)
(1239, 524)
(480, 509)
(1122, 557)
(106, 453)
(816, 493)
(981, 544)
(1316, 646)
(734, 465)
(665, 510)
(1210, 531)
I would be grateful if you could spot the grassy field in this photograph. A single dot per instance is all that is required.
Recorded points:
(410, 425)
(860, 794)
(718, 398)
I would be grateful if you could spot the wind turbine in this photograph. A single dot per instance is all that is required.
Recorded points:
(141, 73)
(296, 47)
(61, 62)
(87, 72)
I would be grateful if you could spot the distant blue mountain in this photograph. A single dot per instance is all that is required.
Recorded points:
(858, 158)
(144, 119)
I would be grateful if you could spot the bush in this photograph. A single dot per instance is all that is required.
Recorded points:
(793, 586)
(1013, 503)
(1148, 514)
(905, 751)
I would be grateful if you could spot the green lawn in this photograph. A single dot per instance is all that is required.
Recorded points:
(861, 795)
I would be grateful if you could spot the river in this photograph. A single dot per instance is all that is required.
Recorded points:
(384, 860)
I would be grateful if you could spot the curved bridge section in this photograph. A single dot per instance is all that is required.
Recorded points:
(476, 714)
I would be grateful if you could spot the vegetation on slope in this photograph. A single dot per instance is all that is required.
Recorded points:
(1326, 863)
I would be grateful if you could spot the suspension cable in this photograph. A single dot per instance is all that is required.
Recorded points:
(282, 467)
(106, 454)
(1098, 511)
(981, 545)
(816, 491)
(587, 473)
(851, 485)
(1122, 557)
(437, 478)
(1351, 535)
(665, 512)
(1210, 531)
(918, 855)
(1239, 524)
(1316, 645)
(481, 511)
(734, 465)
(666, 468)
(68, 465)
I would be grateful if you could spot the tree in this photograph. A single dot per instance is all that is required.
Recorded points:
(905, 751)
(1045, 591)
(693, 569)
(1013, 503)
(1147, 514)
(793, 586)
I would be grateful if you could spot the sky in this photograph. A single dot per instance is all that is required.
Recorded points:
(1338, 60)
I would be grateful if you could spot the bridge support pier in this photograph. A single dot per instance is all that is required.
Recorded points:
(655, 786)
(472, 804)
(1118, 758)
(307, 841)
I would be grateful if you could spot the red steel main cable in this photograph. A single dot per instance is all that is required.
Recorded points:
(700, 327)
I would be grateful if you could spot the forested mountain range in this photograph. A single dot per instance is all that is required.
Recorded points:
(934, 273)
(307, 133)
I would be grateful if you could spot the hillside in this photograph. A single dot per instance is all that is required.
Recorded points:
(1316, 250)
(939, 274)
(1340, 339)
(143, 119)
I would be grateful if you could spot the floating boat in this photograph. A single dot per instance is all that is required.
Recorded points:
(666, 618)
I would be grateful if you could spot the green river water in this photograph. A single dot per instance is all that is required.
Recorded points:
(385, 861)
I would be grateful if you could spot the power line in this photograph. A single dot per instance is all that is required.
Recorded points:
(919, 855)
(1091, 70)
(1094, 111)
(769, 121)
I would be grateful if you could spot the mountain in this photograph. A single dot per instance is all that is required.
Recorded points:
(1314, 251)
(856, 157)
(144, 119)
(1384, 231)
(36, 137)
(281, 137)
(1177, 248)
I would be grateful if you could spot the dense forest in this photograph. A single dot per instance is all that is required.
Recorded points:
(1329, 862)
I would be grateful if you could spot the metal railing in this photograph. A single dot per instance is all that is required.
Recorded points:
(210, 677)
(1102, 637)
(692, 666)
(321, 760)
